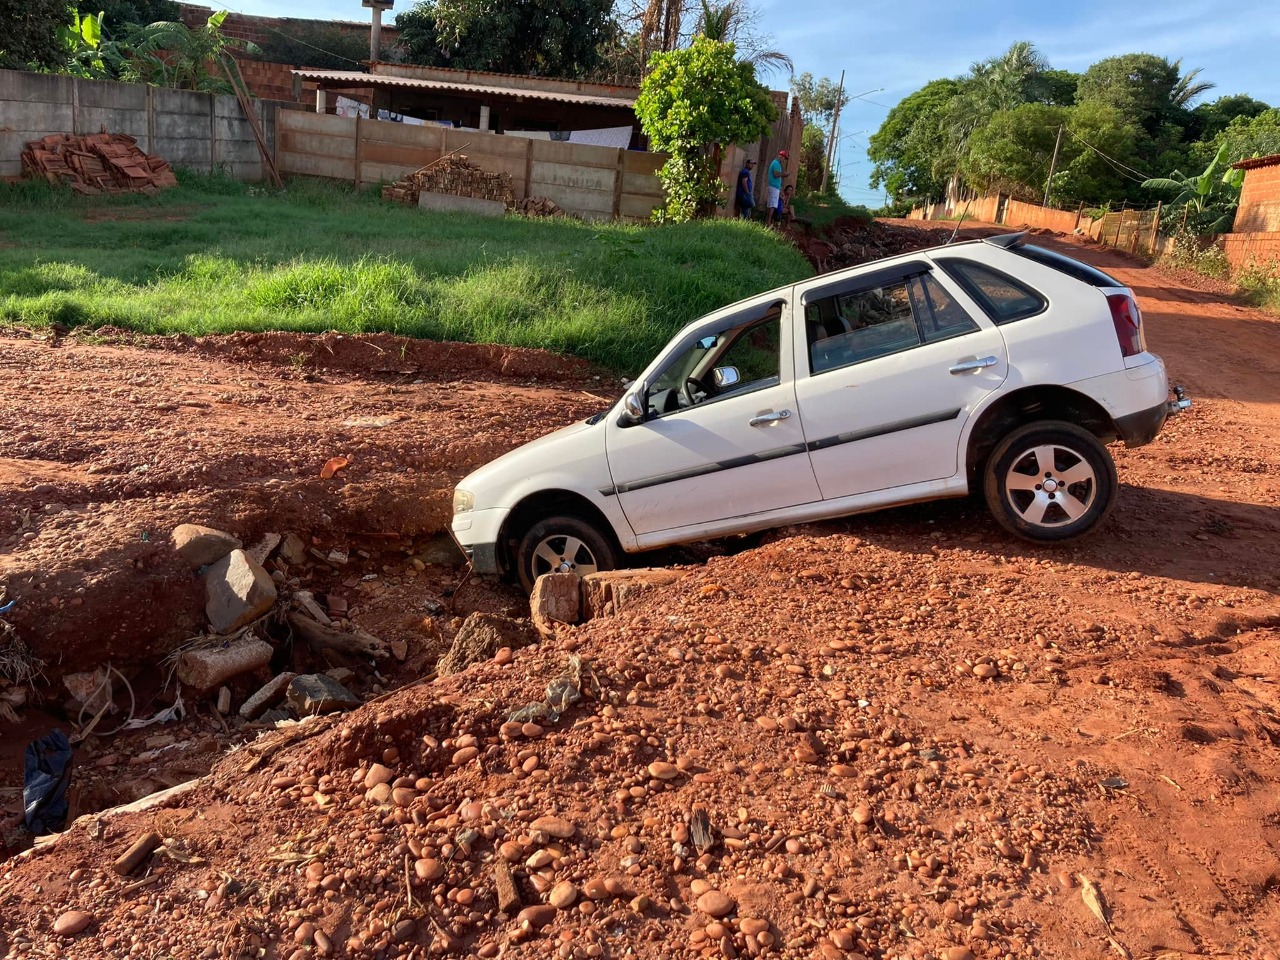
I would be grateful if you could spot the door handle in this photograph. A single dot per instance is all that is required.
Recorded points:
(764, 419)
(968, 366)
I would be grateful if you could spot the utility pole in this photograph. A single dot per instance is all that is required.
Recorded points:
(831, 147)
(1053, 166)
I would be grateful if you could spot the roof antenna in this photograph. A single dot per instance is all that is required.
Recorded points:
(963, 213)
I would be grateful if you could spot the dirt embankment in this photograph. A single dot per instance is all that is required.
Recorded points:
(903, 735)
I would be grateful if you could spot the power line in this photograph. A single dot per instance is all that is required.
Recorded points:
(1121, 167)
(289, 36)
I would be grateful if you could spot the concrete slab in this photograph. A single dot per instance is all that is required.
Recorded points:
(447, 203)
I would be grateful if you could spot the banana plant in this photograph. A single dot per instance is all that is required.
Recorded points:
(171, 54)
(88, 55)
(1210, 206)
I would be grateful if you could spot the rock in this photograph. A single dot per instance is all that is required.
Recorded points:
(91, 688)
(619, 587)
(201, 546)
(263, 548)
(505, 887)
(238, 590)
(556, 827)
(442, 551)
(556, 598)
(266, 697)
(716, 904)
(957, 953)
(482, 635)
(205, 668)
(399, 649)
(537, 916)
(307, 601)
(429, 869)
(315, 693)
(862, 814)
(377, 774)
(661, 770)
(224, 700)
(563, 895)
(985, 671)
(293, 550)
(72, 922)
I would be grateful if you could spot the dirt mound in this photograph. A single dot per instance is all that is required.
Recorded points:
(849, 241)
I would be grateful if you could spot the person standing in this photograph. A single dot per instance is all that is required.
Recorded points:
(746, 198)
(777, 170)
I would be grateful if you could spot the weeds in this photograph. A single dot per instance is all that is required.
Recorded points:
(1188, 252)
(324, 256)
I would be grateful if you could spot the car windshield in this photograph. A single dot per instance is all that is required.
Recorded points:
(683, 365)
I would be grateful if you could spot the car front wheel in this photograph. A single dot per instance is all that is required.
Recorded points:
(1050, 480)
(563, 545)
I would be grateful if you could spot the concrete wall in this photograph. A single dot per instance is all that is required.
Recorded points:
(595, 183)
(1259, 210)
(201, 131)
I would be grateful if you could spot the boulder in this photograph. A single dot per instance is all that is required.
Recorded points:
(293, 550)
(481, 636)
(608, 591)
(315, 693)
(201, 546)
(238, 591)
(556, 598)
(208, 667)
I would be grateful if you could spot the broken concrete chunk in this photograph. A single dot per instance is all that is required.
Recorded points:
(315, 693)
(557, 596)
(307, 601)
(441, 550)
(482, 635)
(293, 549)
(208, 667)
(620, 587)
(92, 688)
(267, 696)
(238, 590)
(201, 546)
(224, 700)
(263, 548)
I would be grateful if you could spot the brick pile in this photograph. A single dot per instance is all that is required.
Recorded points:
(456, 176)
(96, 163)
(539, 207)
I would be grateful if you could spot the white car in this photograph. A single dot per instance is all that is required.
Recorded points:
(989, 365)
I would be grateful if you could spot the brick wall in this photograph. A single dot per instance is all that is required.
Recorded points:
(1259, 210)
(259, 29)
(1252, 249)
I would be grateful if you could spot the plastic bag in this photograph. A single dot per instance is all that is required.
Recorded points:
(47, 774)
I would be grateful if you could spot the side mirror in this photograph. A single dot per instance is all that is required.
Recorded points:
(633, 403)
(725, 377)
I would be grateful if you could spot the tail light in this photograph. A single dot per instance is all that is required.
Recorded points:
(1128, 323)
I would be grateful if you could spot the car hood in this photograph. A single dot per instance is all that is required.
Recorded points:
(495, 484)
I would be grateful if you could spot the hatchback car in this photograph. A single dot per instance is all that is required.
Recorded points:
(990, 366)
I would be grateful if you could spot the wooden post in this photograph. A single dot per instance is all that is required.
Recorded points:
(75, 107)
(1079, 216)
(617, 184)
(1155, 227)
(151, 120)
(528, 168)
(213, 132)
(360, 142)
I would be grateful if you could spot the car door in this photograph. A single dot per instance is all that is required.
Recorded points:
(738, 450)
(891, 363)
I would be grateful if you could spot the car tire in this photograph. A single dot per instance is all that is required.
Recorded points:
(1049, 481)
(563, 544)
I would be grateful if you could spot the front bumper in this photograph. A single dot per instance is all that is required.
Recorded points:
(477, 533)
(1139, 429)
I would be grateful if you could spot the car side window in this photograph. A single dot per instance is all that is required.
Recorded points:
(753, 349)
(1003, 298)
(940, 316)
(850, 328)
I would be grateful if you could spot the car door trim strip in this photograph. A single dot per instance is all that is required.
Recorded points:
(777, 452)
(690, 472)
(885, 428)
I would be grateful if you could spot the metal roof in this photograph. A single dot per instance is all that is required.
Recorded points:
(356, 78)
(1253, 164)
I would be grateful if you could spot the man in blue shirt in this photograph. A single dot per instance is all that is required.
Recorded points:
(746, 199)
(777, 169)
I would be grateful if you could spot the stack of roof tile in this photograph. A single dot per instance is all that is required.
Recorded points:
(96, 163)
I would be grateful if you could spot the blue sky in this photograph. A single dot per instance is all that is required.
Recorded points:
(901, 46)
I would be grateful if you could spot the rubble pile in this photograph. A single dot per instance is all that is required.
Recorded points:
(455, 175)
(539, 207)
(849, 241)
(96, 163)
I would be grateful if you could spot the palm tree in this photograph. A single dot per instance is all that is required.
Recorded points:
(725, 22)
(1187, 90)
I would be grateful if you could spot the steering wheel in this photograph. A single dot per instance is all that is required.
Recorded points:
(690, 385)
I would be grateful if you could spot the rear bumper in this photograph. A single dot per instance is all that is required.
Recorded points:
(1138, 429)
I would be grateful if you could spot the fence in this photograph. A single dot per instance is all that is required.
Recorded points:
(596, 183)
(201, 131)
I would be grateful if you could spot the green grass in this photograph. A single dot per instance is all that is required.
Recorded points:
(824, 210)
(216, 256)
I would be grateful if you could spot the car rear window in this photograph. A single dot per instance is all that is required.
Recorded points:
(1003, 298)
(1072, 268)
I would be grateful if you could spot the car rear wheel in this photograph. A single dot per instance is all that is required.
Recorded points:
(563, 545)
(1050, 480)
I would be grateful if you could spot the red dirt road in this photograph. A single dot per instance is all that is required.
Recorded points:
(911, 734)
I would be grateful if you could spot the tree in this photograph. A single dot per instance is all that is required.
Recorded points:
(908, 149)
(693, 102)
(1210, 119)
(818, 98)
(729, 22)
(120, 15)
(1209, 196)
(1149, 91)
(169, 54)
(559, 38)
(31, 33)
